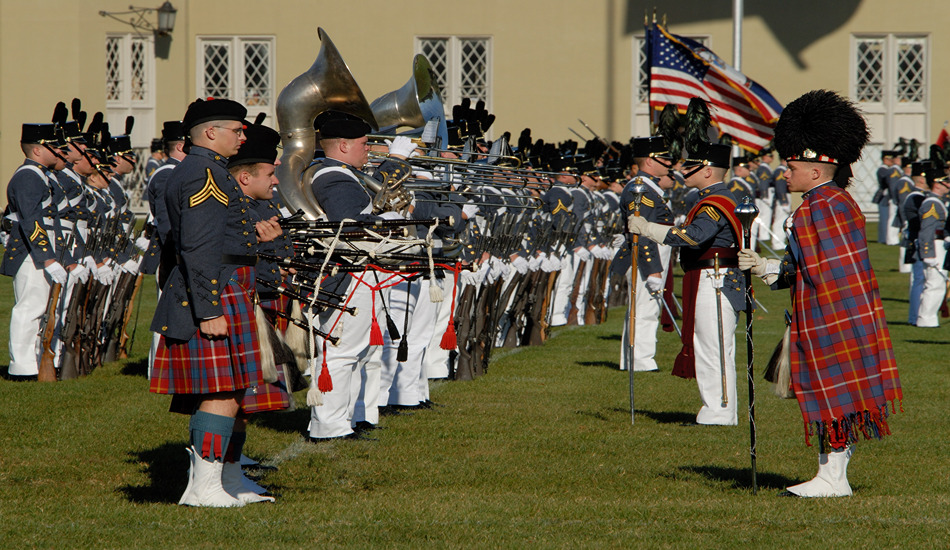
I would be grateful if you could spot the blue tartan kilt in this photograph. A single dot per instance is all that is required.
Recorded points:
(203, 366)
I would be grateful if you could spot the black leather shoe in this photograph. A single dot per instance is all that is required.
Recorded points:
(23, 378)
(364, 427)
(392, 410)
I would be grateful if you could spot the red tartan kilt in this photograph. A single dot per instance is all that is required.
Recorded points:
(201, 366)
(268, 397)
(282, 304)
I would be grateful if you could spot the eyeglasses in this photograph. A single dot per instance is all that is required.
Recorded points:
(238, 131)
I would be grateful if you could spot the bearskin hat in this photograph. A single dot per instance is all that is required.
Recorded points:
(821, 126)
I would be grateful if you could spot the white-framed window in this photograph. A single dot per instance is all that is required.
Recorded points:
(640, 125)
(462, 65)
(130, 71)
(240, 68)
(890, 80)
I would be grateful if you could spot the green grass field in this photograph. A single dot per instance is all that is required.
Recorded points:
(539, 452)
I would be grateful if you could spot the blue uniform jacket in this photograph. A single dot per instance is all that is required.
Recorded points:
(210, 218)
(29, 199)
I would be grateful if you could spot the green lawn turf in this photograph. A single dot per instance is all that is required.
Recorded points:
(539, 452)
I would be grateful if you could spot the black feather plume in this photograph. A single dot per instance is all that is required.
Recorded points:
(129, 123)
(60, 113)
(81, 119)
(96, 125)
(76, 108)
(697, 125)
(669, 127)
(260, 119)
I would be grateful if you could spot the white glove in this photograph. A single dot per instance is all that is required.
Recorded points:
(80, 273)
(142, 243)
(520, 264)
(104, 274)
(654, 284)
(423, 174)
(56, 273)
(766, 269)
(131, 266)
(931, 262)
(582, 254)
(401, 145)
(638, 225)
(470, 210)
(618, 241)
(535, 262)
(90, 264)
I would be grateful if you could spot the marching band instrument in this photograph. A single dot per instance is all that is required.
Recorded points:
(327, 84)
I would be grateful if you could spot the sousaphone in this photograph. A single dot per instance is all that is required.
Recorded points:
(327, 84)
(415, 105)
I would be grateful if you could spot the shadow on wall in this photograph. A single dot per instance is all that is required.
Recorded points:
(793, 23)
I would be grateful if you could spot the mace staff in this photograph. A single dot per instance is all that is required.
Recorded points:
(637, 190)
(747, 212)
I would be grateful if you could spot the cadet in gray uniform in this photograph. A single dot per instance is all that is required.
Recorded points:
(930, 249)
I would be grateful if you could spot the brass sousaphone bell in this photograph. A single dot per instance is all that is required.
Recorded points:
(327, 84)
(415, 105)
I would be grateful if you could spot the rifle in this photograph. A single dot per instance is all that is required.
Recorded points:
(575, 291)
(124, 335)
(47, 366)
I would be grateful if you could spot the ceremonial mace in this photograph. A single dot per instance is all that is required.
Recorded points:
(637, 191)
(747, 212)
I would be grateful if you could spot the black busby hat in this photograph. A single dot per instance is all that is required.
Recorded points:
(261, 146)
(337, 124)
(821, 126)
(173, 130)
(201, 111)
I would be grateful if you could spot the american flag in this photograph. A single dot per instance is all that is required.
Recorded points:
(681, 69)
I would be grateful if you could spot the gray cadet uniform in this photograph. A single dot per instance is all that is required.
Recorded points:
(933, 218)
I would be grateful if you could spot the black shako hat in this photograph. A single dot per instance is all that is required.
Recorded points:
(821, 126)
(924, 168)
(337, 124)
(39, 133)
(173, 130)
(710, 154)
(260, 146)
(654, 146)
(201, 111)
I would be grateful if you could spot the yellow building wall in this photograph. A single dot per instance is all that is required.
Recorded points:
(552, 62)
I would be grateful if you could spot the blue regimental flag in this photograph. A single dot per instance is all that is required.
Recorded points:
(681, 69)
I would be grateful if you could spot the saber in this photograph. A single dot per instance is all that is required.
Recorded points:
(722, 346)
(658, 295)
(747, 212)
(762, 242)
(637, 191)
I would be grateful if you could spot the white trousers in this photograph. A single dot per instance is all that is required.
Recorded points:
(935, 291)
(562, 294)
(706, 350)
(780, 213)
(649, 310)
(405, 383)
(581, 301)
(760, 231)
(30, 294)
(156, 337)
(893, 233)
(347, 362)
(436, 360)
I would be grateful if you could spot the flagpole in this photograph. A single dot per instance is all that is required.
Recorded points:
(737, 10)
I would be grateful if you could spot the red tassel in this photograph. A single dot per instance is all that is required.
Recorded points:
(449, 339)
(375, 334)
(324, 383)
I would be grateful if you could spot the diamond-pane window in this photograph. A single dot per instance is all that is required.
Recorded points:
(910, 70)
(869, 77)
(474, 69)
(217, 69)
(138, 76)
(113, 68)
(436, 51)
(257, 70)
(462, 66)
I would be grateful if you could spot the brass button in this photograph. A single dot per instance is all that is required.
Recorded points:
(164, 328)
(214, 303)
(185, 303)
(216, 157)
(214, 292)
(214, 281)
